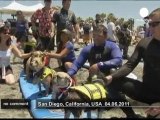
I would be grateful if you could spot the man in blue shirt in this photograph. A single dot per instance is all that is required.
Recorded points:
(21, 28)
(102, 56)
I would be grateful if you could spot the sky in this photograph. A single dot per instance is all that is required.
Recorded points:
(88, 8)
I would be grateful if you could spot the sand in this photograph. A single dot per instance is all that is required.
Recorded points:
(13, 92)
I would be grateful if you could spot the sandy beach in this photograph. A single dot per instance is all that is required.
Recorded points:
(13, 92)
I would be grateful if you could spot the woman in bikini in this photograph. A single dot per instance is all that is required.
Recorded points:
(6, 49)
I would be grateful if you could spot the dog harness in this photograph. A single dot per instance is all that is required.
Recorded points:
(93, 91)
(4, 61)
(47, 71)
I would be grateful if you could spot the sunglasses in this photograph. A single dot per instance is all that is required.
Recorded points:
(154, 24)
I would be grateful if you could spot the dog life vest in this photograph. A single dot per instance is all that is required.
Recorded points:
(46, 72)
(31, 41)
(32, 44)
(93, 91)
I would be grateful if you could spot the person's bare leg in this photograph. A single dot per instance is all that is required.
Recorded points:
(10, 78)
(67, 66)
(1, 80)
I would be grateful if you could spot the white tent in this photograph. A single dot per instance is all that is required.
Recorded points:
(33, 8)
(14, 6)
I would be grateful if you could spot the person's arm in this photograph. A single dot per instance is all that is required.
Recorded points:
(69, 46)
(114, 32)
(27, 25)
(62, 54)
(34, 18)
(79, 62)
(76, 26)
(129, 66)
(17, 52)
(55, 17)
(113, 28)
(116, 58)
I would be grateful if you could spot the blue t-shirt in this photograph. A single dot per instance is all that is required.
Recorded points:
(71, 55)
(113, 59)
(21, 26)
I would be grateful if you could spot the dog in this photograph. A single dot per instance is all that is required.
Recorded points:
(38, 72)
(61, 82)
(34, 63)
(63, 90)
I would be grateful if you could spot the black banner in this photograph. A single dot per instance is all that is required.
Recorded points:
(15, 104)
(54, 104)
(51, 104)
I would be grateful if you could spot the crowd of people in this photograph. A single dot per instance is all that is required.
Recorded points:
(106, 45)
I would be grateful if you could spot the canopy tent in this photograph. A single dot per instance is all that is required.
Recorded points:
(33, 8)
(14, 6)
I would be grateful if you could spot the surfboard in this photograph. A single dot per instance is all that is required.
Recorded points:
(31, 92)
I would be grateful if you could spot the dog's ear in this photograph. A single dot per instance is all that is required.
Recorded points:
(43, 56)
(34, 53)
(43, 61)
(63, 75)
(55, 79)
(43, 53)
(54, 76)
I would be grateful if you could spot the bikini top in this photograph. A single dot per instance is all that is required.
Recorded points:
(5, 57)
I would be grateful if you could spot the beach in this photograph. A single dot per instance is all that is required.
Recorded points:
(13, 92)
